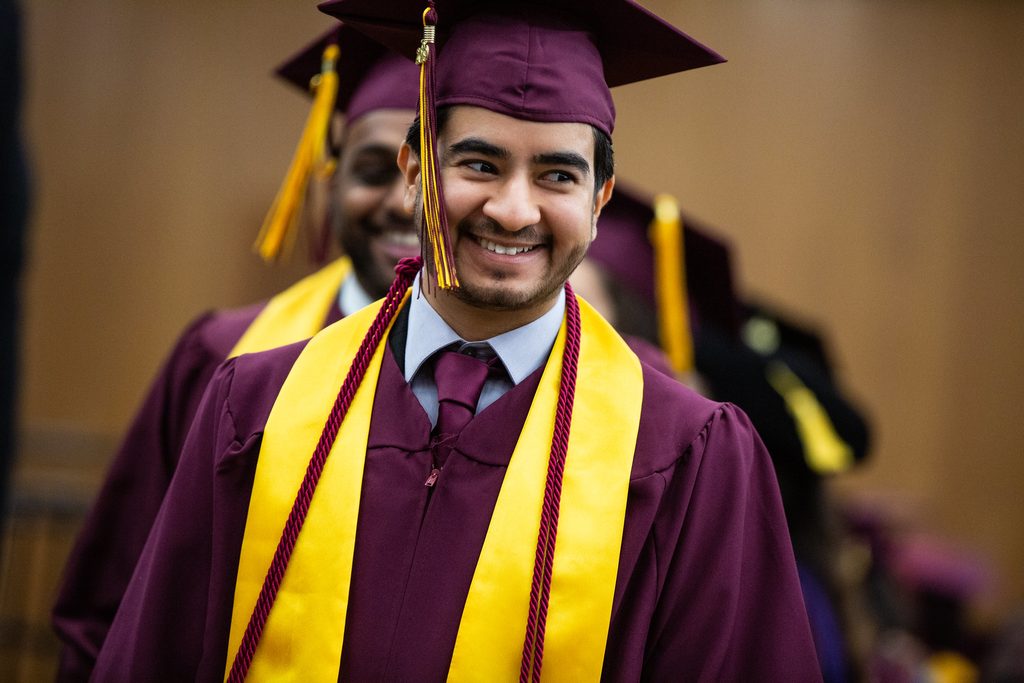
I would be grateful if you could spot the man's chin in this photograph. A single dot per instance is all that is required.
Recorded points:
(501, 298)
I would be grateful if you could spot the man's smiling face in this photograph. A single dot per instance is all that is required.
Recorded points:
(520, 201)
(374, 228)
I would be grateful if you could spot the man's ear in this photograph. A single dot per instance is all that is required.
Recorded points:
(409, 164)
(601, 197)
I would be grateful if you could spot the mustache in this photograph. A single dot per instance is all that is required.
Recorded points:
(488, 228)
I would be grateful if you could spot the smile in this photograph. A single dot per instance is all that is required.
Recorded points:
(496, 248)
(402, 238)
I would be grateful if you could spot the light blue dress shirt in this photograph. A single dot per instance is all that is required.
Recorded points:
(351, 296)
(521, 350)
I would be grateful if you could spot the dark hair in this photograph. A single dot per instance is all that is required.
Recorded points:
(604, 155)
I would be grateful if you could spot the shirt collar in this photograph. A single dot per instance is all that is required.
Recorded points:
(521, 350)
(352, 297)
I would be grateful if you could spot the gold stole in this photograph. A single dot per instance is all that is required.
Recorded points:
(303, 637)
(297, 313)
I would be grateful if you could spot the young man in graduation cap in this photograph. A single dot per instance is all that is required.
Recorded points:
(375, 91)
(475, 479)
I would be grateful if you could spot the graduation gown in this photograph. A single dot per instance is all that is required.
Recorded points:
(706, 590)
(114, 532)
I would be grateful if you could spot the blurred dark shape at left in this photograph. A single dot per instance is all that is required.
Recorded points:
(14, 206)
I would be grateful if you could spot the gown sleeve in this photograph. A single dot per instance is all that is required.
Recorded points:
(729, 606)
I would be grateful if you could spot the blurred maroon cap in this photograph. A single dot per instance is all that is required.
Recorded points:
(623, 248)
(370, 76)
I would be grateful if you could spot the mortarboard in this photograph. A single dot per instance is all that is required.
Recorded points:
(667, 259)
(550, 63)
(786, 386)
(345, 72)
(370, 77)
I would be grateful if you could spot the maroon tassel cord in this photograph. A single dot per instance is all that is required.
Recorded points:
(320, 241)
(406, 270)
(540, 589)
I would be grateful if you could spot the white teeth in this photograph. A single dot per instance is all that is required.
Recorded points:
(403, 239)
(499, 249)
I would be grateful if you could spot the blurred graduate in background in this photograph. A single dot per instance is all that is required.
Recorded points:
(374, 91)
(663, 277)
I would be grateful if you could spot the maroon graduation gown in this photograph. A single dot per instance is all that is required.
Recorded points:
(113, 535)
(706, 590)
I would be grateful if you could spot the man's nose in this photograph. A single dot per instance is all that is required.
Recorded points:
(513, 205)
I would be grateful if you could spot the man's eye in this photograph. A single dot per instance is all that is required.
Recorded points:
(559, 177)
(481, 166)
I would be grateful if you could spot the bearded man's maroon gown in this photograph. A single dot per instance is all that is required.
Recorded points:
(706, 590)
(113, 535)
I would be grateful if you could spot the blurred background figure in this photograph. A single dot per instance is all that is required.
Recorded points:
(1005, 660)
(780, 375)
(776, 371)
(919, 591)
(375, 92)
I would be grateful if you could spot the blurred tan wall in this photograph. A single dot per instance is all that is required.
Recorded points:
(867, 158)
(159, 137)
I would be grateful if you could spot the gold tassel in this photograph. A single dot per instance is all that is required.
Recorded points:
(666, 235)
(824, 450)
(280, 227)
(439, 258)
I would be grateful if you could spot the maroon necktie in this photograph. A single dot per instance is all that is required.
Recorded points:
(460, 379)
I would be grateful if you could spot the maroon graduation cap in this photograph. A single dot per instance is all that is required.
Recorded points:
(370, 76)
(623, 248)
(550, 62)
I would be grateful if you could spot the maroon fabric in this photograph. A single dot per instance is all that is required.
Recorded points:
(392, 83)
(369, 76)
(650, 354)
(706, 589)
(110, 542)
(526, 61)
(536, 69)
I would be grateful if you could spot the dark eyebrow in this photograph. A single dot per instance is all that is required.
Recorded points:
(571, 159)
(477, 146)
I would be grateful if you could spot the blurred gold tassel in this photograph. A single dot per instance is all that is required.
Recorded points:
(824, 450)
(280, 227)
(666, 235)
